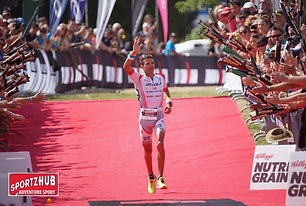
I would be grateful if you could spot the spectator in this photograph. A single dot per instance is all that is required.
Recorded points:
(261, 44)
(57, 40)
(243, 15)
(228, 19)
(148, 46)
(280, 20)
(42, 21)
(32, 33)
(170, 47)
(121, 38)
(276, 34)
(6, 13)
(161, 48)
(263, 25)
(245, 34)
(149, 25)
(266, 4)
(116, 27)
(106, 42)
(41, 37)
(215, 49)
(252, 8)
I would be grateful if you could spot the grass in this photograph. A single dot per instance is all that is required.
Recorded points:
(176, 92)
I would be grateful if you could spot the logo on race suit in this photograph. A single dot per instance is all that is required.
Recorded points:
(33, 184)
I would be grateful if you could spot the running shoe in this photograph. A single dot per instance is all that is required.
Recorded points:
(151, 186)
(161, 183)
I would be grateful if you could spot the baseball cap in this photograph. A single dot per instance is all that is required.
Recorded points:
(225, 10)
(279, 12)
(173, 34)
(248, 5)
(21, 20)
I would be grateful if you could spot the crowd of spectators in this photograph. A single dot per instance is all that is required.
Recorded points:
(277, 48)
(76, 35)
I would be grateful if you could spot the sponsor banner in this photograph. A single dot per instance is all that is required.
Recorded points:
(60, 72)
(77, 9)
(105, 9)
(163, 10)
(33, 184)
(137, 11)
(296, 189)
(270, 167)
(57, 8)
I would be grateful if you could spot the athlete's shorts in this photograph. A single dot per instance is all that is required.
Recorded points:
(146, 127)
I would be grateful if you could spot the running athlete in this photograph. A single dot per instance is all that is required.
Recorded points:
(150, 88)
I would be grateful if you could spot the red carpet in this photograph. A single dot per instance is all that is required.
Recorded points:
(95, 147)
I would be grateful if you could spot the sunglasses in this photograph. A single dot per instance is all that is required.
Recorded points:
(145, 56)
(242, 17)
(244, 32)
(273, 36)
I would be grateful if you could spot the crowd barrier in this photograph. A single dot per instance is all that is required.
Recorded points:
(59, 72)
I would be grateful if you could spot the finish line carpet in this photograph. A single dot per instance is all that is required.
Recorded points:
(95, 147)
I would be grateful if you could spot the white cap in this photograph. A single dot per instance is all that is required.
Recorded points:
(248, 5)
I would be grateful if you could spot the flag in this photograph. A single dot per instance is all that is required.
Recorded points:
(105, 9)
(163, 10)
(137, 10)
(57, 8)
(77, 9)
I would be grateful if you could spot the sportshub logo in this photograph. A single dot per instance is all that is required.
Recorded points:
(33, 184)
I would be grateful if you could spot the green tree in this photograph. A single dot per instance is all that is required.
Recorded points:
(195, 5)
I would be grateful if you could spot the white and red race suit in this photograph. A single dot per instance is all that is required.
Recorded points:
(150, 97)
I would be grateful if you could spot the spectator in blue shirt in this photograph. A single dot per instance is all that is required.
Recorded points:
(170, 47)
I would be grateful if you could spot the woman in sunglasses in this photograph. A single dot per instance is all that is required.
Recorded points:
(150, 88)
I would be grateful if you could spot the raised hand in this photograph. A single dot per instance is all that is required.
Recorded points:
(137, 46)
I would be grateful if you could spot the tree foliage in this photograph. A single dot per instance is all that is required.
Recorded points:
(194, 5)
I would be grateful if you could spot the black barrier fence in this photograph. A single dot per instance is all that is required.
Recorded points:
(59, 72)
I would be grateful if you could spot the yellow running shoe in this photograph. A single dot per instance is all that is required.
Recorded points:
(151, 186)
(161, 183)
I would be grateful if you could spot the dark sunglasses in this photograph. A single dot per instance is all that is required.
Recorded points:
(244, 32)
(242, 17)
(273, 36)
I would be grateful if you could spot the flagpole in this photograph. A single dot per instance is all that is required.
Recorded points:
(156, 15)
(86, 14)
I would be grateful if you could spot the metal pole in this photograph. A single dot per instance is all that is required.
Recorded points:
(156, 14)
(86, 14)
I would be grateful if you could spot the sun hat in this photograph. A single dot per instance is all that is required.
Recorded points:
(278, 134)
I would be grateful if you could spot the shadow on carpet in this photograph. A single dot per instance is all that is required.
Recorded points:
(209, 202)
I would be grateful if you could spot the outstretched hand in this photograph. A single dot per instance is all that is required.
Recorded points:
(137, 45)
(39, 97)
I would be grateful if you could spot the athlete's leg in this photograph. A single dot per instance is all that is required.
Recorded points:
(148, 156)
(160, 134)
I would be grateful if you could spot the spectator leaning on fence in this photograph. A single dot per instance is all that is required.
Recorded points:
(170, 47)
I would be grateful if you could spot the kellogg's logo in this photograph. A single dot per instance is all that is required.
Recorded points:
(33, 184)
(299, 163)
(264, 156)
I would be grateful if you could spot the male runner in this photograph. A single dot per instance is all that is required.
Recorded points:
(150, 88)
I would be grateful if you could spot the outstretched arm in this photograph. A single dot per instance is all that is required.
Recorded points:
(131, 55)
